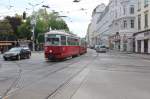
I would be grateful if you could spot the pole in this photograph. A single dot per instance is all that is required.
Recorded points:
(34, 24)
(33, 34)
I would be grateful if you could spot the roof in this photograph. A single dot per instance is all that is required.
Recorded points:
(61, 32)
(57, 32)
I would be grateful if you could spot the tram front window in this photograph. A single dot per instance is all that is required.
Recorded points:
(53, 41)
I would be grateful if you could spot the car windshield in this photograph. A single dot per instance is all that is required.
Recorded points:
(102, 47)
(15, 50)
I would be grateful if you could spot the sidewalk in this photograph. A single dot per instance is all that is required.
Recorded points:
(144, 56)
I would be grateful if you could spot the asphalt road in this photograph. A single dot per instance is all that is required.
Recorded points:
(90, 76)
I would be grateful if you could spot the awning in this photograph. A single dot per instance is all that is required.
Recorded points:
(5, 44)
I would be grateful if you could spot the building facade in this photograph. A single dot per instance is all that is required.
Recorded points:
(115, 25)
(123, 25)
(142, 36)
(103, 26)
(92, 26)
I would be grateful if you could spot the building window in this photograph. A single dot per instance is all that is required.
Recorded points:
(139, 5)
(146, 19)
(132, 9)
(145, 3)
(124, 10)
(125, 24)
(116, 2)
(132, 23)
(139, 22)
(116, 15)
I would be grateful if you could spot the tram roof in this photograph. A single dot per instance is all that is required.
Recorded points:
(61, 33)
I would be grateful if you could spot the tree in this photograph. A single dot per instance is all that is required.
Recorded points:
(57, 22)
(15, 22)
(6, 31)
(46, 20)
(24, 30)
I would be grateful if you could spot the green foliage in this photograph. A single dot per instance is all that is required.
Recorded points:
(41, 27)
(58, 25)
(24, 30)
(6, 31)
(15, 22)
(45, 21)
(5, 27)
(40, 38)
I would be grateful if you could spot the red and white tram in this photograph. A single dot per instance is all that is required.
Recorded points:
(60, 45)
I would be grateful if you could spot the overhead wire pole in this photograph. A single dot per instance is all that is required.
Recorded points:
(33, 23)
(46, 15)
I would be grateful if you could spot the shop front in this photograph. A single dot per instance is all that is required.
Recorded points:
(5, 45)
(142, 42)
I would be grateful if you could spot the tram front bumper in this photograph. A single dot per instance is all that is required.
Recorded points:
(51, 57)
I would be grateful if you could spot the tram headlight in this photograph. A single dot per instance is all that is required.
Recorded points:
(50, 51)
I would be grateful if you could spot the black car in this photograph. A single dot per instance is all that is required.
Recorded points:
(27, 49)
(16, 53)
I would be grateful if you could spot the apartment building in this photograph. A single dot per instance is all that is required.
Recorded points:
(142, 37)
(115, 25)
(103, 26)
(123, 25)
(92, 26)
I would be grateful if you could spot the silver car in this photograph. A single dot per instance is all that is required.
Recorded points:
(101, 49)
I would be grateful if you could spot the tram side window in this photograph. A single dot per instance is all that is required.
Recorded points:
(76, 42)
(63, 40)
(73, 41)
(69, 41)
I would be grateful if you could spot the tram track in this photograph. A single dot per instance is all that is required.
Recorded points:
(72, 77)
(16, 81)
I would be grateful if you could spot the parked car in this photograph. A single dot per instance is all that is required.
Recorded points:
(101, 49)
(96, 46)
(16, 53)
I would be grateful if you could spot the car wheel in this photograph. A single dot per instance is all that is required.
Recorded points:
(28, 56)
(5, 59)
(18, 57)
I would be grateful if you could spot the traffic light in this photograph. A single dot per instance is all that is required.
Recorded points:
(24, 15)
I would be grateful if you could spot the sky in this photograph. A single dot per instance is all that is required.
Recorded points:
(77, 19)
